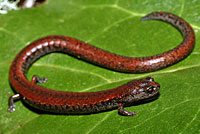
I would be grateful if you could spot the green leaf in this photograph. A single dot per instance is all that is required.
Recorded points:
(113, 25)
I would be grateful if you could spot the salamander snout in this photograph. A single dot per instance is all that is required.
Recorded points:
(145, 88)
(150, 86)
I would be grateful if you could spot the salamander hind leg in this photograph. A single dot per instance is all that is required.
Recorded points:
(11, 102)
(124, 112)
(36, 79)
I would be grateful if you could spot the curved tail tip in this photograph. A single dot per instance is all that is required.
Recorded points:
(145, 18)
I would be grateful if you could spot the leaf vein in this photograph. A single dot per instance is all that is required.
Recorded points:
(99, 122)
(182, 7)
(74, 70)
(193, 119)
(165, 109)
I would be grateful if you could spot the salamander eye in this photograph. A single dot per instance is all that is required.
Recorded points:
(152, 88)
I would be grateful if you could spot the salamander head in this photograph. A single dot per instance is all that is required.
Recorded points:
(142, 89)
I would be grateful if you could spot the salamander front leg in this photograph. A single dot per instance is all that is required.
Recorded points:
(11, 102)
(36, 79)
(124, 112)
